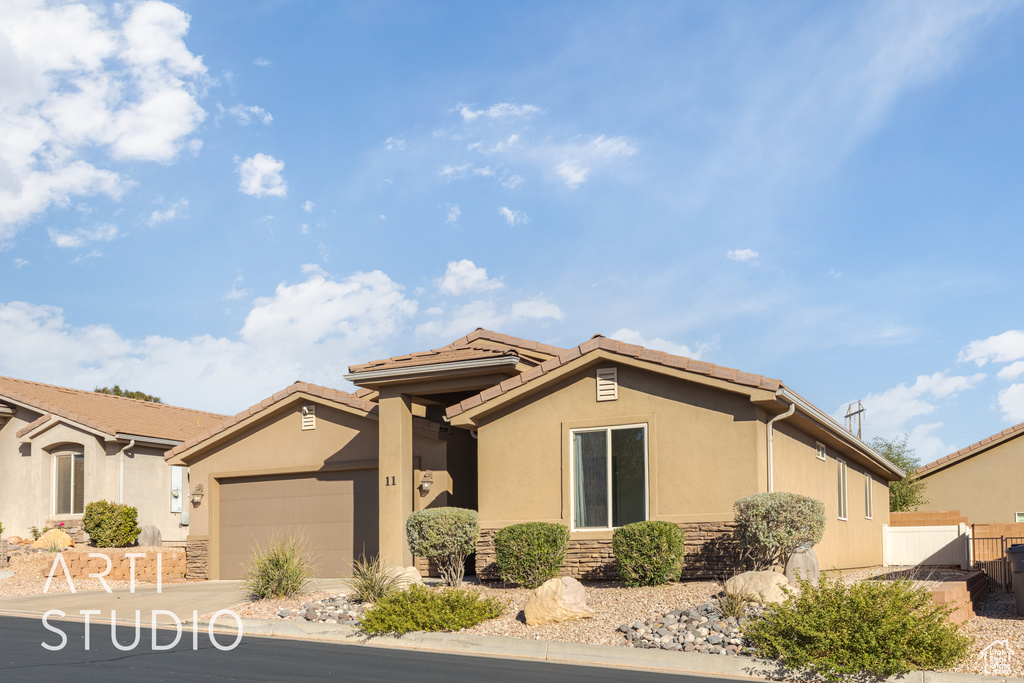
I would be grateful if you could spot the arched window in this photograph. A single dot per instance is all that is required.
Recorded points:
(69, 481)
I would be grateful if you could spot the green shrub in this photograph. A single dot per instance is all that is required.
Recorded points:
(370, 580)
(445, 535)
(770, 526)
(884, 628)
(111, 525)
(648, 553)
(531, 553)
(426, 609)
(280, 569)
(1, 529)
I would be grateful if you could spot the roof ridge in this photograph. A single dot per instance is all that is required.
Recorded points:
(967, 450)
(622, 348)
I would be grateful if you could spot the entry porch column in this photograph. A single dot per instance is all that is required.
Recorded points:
(395, 477)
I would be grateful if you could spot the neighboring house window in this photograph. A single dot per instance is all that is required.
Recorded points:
(1020, 517)
(868, 497)
(609, 469)
(841, 485)
(821, 450)
(69, 496)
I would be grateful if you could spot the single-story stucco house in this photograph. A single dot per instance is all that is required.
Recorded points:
(594, 437)
(982, 480)
(61, 449)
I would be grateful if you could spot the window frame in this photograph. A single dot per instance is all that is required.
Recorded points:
(57, 457)
(821, 453)
(842, 489)
(869, 498)
(1018, 517)
(608, 465)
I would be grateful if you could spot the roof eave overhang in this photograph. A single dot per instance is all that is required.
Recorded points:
(376, 378)
(837, 431)
(156, 441)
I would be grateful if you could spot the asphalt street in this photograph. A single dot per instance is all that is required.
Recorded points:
(24, 658)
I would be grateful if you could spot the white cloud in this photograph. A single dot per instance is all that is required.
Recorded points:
(80, 237)
(513, 181)
(394, 144)
(928, 447)
(1012, 371)
(77, 85)
(573, 173)
(261, 61)
(307, 206)
(464, 276)
(452, 171)
(236, 292)
(1011, 401)
(310, 331)
(260, 176)
(513, 217)
(502, 110)
(742, 254)
(890, 411)
(175, 210)
(19, 262)
(485, 171)
(247, 114)
(577, 160)
(1000, 348)
(453, 214)
(658, 344)
(486, 314)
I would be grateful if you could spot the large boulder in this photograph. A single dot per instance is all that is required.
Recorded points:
(54, 538)
(803, 563)
(559, 599)
(405, 576)
(150, 537)
(764, 587)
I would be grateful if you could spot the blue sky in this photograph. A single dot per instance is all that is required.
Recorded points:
(209, 201)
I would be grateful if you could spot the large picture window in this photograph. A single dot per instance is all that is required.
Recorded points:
(70, 484)
(609, 468)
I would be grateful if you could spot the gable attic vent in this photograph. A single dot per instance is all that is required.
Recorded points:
(607, 384)
(308, 417)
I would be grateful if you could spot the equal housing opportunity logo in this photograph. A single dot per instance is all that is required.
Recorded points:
(155, 614)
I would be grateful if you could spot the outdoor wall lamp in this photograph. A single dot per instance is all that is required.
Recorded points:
(197, 495)
(426, 482)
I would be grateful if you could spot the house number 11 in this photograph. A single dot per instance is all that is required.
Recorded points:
(389, 481)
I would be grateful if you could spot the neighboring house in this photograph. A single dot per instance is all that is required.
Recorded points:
(593, 437)
(61, 449)
(982, 481)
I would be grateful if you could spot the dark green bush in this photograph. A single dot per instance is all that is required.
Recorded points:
(445, 535)
(429, 609)
(884, 628)
(770, 526)
(648, 553)
(531, 553)
(111, 525)
(279, 569)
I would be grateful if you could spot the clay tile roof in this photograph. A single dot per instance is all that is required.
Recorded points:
(434, 357)
(506, 340)
(970, 450)
(600, 342)
(106, 413)
(342, 397)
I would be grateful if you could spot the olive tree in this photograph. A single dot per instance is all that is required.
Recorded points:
(770, 526)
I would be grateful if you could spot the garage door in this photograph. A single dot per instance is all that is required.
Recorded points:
(336, 510)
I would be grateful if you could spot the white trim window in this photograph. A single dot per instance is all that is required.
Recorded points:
(820, 448)
(68, 484)
(841, 486)
(608, 476)
(1019, 517)
(869, 498)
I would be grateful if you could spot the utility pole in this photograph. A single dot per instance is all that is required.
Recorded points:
(852, 414)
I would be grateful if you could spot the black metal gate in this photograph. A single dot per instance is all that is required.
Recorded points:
(989, 555)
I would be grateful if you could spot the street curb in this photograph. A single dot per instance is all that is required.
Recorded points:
(579, 654)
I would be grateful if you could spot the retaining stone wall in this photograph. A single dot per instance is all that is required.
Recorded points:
(197, 559)
(80, 565)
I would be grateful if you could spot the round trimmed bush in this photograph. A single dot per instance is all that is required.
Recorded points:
(111, 525)
(447, 536)
(772, 525)
(648, 553)
(531, 553)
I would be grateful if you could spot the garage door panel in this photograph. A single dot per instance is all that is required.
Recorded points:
(337, 511)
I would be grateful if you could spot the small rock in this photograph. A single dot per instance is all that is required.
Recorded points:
(284, 613)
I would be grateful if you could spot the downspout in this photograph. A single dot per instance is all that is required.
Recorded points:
(120, 472)
(771, 431)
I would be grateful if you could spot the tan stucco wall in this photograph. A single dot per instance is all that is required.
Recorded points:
(700, 443)
(986, 487)
(854, 542)
(26, 477)
(276, 444)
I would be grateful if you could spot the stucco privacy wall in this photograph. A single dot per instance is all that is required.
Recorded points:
(985, 486)
(27, 484)
(701, 443)
(854, 542)
(275, 444)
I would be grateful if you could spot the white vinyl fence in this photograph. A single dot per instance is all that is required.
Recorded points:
(932, 545)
